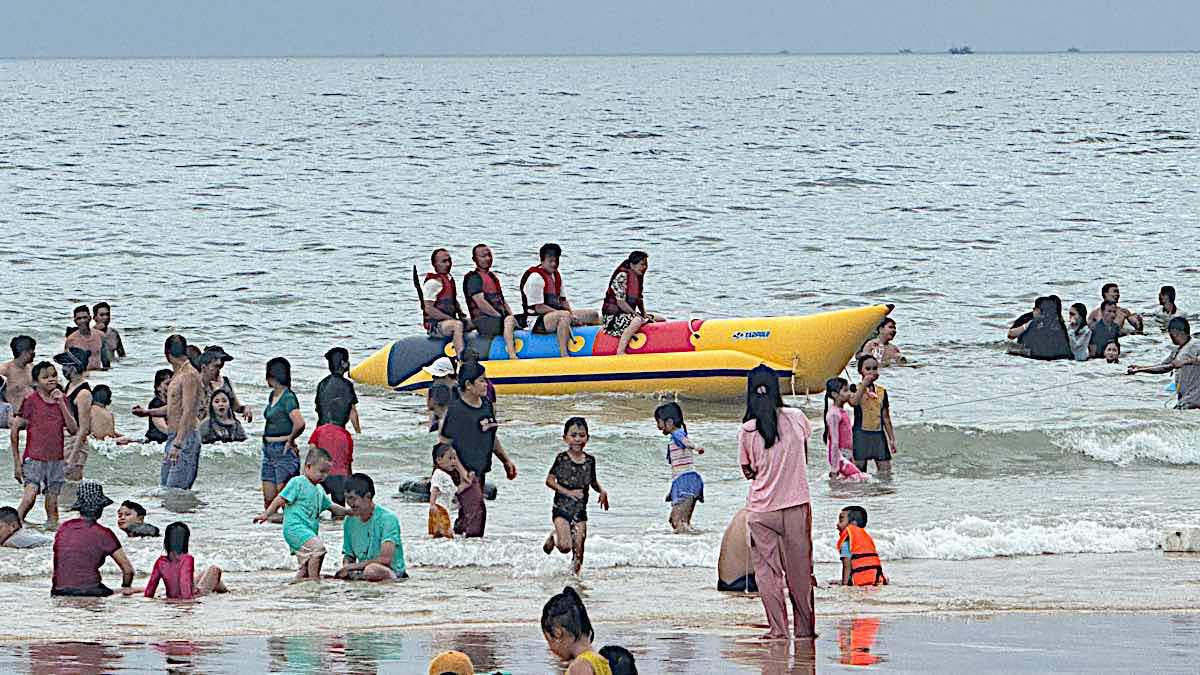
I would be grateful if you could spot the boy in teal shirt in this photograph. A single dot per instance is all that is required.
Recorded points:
(371, 545)
(305, 500)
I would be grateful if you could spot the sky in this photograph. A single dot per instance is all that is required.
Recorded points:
(131, 28)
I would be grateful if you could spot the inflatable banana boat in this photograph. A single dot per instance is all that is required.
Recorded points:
(701, 359)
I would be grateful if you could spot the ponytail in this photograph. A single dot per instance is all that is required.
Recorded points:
(763, 402)
(833, 386)
(566, 611)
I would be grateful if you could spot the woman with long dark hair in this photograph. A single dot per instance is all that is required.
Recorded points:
(283, 424)
(773, 453)
(624, 310)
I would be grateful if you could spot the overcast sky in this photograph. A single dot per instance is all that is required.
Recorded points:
(369, 27)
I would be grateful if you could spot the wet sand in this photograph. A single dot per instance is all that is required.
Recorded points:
(1014, 642)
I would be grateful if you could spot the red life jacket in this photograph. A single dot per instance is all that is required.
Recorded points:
(633, 292)
(553, 294)
(492, 292)
(446, 300)
(865, 567)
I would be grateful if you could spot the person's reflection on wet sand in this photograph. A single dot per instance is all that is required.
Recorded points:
(855, 639)
(72, 658)
(776, 658)
(180, 655)
(481, 647)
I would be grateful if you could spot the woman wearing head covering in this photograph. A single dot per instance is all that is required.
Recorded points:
(78, 396)
(81, 546)
(773, 453)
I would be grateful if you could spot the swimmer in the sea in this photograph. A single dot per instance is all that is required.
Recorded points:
(104, 425)
(18, 377)
(882, 347)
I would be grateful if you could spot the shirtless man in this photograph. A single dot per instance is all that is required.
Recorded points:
(85, 337)
(18, 377)
(1112, 293)
(181, 453)
(112, 347)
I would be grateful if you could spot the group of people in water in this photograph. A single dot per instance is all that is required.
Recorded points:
(545, 307)
(1042, 334)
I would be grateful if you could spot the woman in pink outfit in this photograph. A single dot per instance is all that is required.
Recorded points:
(773, 453)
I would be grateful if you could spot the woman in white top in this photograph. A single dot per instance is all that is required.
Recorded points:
(1078, 333)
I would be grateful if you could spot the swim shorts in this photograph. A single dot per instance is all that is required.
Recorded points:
(686, 485)
(743, 584)
(571, 510)
(539, 326)
(489, 326)
(279, 463)
(870, 445)
(435, 330)
(48, 476)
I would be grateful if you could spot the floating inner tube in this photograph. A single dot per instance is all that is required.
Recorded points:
(417, 490)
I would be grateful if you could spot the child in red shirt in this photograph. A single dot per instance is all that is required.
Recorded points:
(44, 416)
(176, 569)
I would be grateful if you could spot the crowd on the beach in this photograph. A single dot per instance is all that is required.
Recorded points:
(767, 548)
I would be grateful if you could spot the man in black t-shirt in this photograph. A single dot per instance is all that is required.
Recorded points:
(470, 426)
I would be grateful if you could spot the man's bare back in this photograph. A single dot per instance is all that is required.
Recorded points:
(184, 390)
(19, 382)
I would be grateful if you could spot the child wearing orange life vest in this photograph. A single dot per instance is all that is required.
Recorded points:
(860, 560)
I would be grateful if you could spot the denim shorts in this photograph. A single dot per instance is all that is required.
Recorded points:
(180, 473)
(279, 464)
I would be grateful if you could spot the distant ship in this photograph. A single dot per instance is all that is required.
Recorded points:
(1073, 50)
(906, 51)
(965, 49)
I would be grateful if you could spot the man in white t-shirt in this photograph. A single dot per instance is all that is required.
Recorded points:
(543, 297)
(443, 315)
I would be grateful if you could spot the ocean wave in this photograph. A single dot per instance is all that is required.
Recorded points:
(1125, 446)
(974, 537)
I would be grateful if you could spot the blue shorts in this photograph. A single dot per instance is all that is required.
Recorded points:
(686, 485)
(279, 464)
(180, 472)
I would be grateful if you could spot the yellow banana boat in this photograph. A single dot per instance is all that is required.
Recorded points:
(702, 359)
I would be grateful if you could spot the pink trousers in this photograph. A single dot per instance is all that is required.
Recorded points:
(783, 566)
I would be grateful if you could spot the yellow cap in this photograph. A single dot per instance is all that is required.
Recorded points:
(456, 663)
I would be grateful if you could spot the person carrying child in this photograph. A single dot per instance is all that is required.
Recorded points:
(305, 500)
(449, 479)
(860, 560)
(569, 634)
(687, 486)
(839, 434)
(573, 472)
(177, 569)
(874, 438)
(41, 469)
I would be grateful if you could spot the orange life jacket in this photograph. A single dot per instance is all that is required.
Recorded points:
(865, 567)
(446, 300)
(552, 295)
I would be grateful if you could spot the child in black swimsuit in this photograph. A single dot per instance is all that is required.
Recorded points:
(572, 474)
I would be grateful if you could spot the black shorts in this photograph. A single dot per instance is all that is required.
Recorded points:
(744, 584)
(539, 326)
(572, 513)
(97, 591)
(489, 326)
(335, 487)
(870, 445)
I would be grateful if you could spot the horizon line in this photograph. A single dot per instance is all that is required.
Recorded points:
(434, 55)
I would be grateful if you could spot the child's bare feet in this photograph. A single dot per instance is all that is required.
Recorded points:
(548, 547)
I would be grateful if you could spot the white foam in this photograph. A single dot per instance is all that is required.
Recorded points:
(1125, 446)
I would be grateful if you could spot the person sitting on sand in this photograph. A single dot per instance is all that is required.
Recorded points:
(111, 348)
(82, 545)
(305, 500)
(41, 469)
(220, 425)
(1184, 360)
(17, 376)
(372, 549)
(485, 300)
(131, 519)
(104, 425)
(13, 535)
(542, 297)
(1126, 320)
(1104, 331)
(443, 316)
(882, 347)
(624, 310)
(568, 632)
(860, 561)
(735, 571)
(177, 569)
(83, 336)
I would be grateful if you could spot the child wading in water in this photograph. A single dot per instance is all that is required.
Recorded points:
(176, 569)
(839, 434)
(44, 416)
(687, 487)
(568, 632)
(874, 438)
(449, 478)
(573, 472)
(305, 500)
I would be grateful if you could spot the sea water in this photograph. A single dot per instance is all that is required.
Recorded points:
(276, 207)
